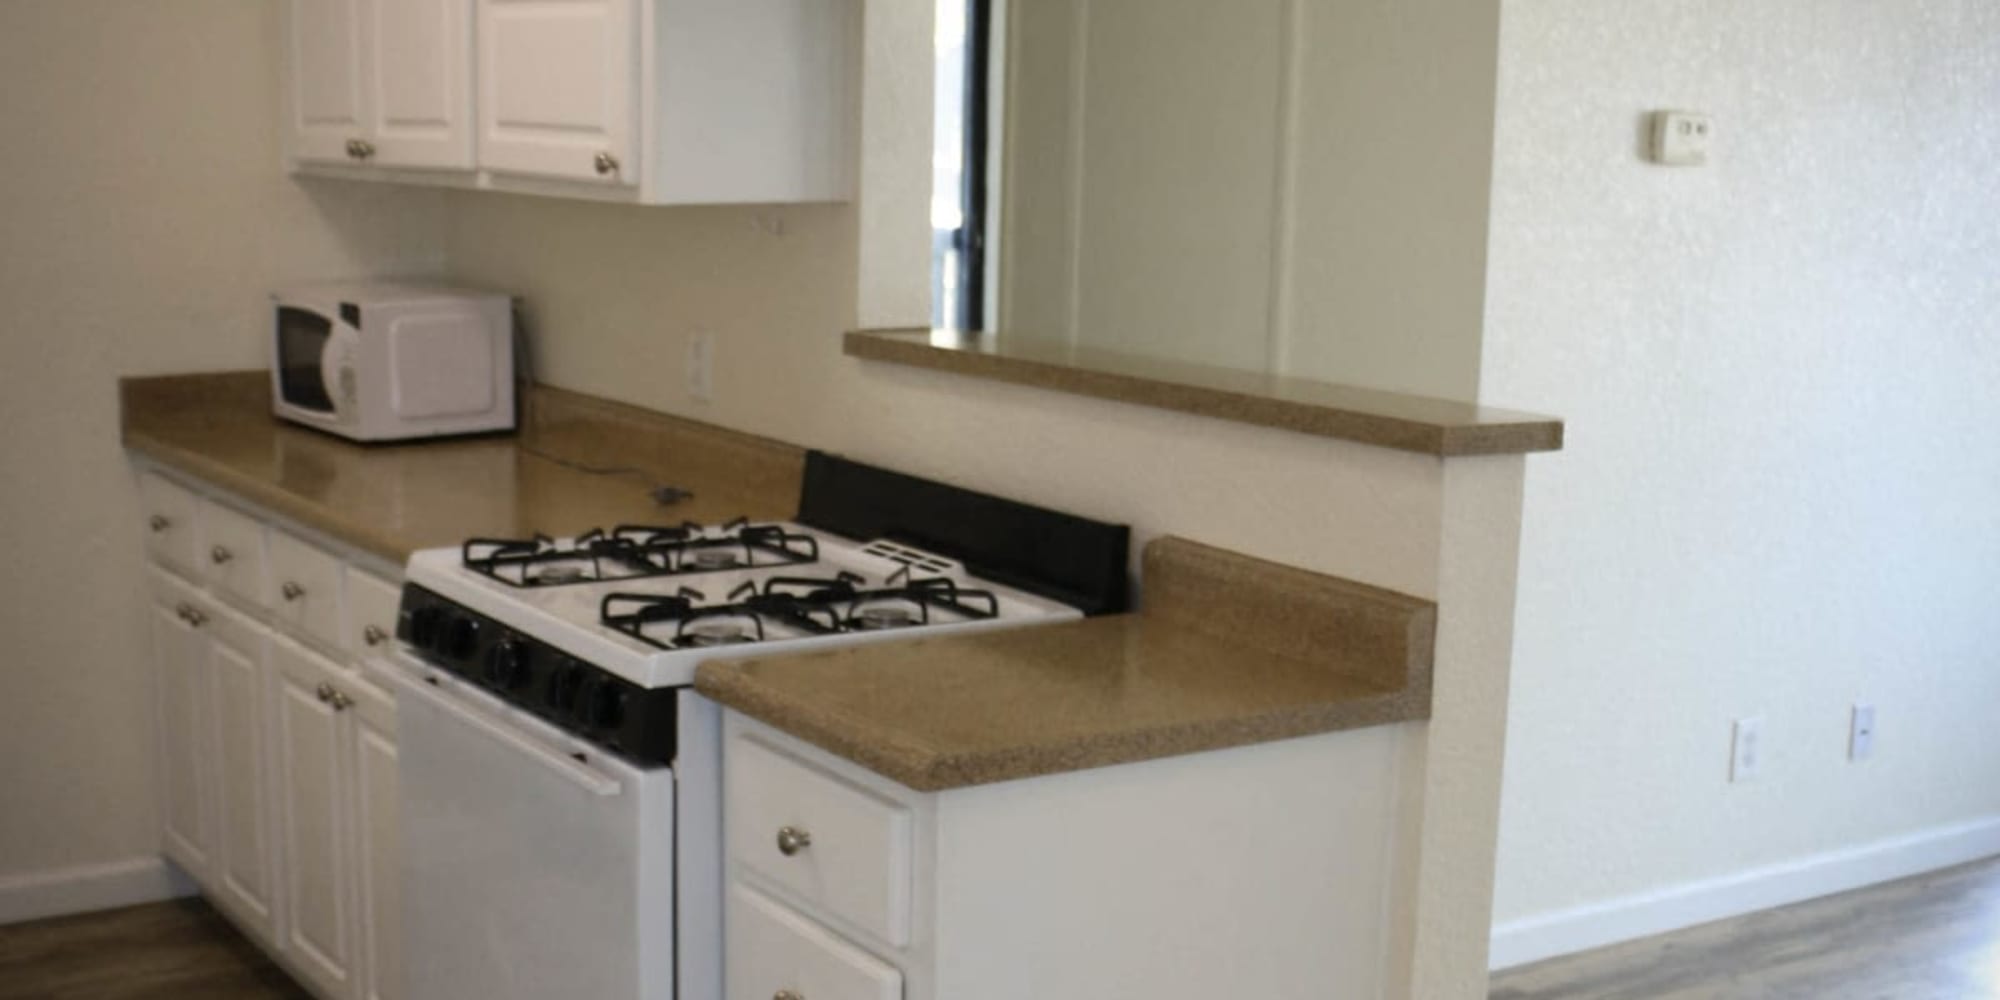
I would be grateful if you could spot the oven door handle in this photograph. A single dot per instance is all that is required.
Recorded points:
(573, 771)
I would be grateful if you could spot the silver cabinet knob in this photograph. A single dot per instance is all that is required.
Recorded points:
(374, 636)
(291, 591)
(159, 523)
(340, 701)
(606, 164)
(792, 840)
(788, 995)
(220, 555)
(193, 616)
(325, 692)
(185, 612)
(364, 149)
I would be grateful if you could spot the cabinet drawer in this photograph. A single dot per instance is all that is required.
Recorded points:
(371, 612)
(774, 951)
(837, 846)
(304, 588)
(234, 558)
(169, 513)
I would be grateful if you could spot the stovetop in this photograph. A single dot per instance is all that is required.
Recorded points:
(649, 603)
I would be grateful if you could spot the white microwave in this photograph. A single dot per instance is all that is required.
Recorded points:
(388, 362)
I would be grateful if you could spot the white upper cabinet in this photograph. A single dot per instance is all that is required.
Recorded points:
(328, 113)
(558, 88)
(655, 102)
(382, 83)
(421, 83)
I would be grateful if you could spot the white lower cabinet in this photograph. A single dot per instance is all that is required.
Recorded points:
(1262, 871)
(186, 802)
(313, 778)
(277, 763)
(245, 864)
(774, 951)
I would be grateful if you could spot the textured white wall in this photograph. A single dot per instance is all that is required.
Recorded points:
(1780, 493)
(143, 218)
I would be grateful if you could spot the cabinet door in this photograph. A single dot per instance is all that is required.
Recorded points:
(558, 89)
(304, 592)
(328, 102)
(420, 83)
(186, 827)
(313, 778)
(377, 842)
(239, 695)
(170, 515)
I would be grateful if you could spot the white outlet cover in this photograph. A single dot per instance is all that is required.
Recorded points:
(1746, 753)
(1681, 138)
(701, 366)
(1861, 732)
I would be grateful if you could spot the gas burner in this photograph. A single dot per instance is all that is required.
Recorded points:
(710, 634)
(884, 616)
(713, 559)
(556, 576)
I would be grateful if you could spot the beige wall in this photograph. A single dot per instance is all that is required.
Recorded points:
(1780, 492)
(143, 218)
(1297, 186)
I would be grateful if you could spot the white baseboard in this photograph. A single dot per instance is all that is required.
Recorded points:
(89, 887)
(1566, 932)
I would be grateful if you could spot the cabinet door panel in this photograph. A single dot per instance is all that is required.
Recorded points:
(304, 588)
(328, 101)
(183, 713)
(421, 92)
(244, 862)
(170, 515)
(558, 86)
(378, 844)
(774, 950)
(312, 763)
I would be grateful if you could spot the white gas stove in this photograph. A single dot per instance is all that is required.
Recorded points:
(561, 780)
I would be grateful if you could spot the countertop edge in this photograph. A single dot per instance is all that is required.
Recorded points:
(927, 769)
(1506, 434)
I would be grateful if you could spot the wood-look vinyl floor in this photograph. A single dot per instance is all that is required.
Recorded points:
(182, 950)
(1933, 937)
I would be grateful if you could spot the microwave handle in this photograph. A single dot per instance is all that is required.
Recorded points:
(340, 344)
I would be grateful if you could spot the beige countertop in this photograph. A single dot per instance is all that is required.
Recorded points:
(1186, 675)
(1228, 651)
(392, 499)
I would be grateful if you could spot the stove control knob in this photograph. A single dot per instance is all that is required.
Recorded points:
(507, 665)
(461, 637)
(424, 626)
(564, 681)
(604, 706)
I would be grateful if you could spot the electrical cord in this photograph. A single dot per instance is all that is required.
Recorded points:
(662, 493)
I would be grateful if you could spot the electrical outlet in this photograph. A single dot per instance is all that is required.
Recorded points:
(1680, 138)
(1746, 749)
(701, 366)
(1861, 732)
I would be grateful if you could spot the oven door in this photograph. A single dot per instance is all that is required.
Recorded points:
(534, 866)
(303, 337)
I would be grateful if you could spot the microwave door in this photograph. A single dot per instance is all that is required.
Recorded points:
(303, 337)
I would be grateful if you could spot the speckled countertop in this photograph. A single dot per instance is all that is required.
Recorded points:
(953, 711)
(390, 500)
(1229, 650)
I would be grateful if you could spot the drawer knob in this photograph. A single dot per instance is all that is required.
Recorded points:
(160, 522)
(192, 615)
(325, 692)
(340, 701)
(606, 164)
(788, 995)
(374, 636)
(220, 555)
(292, 591)
(792, 840)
